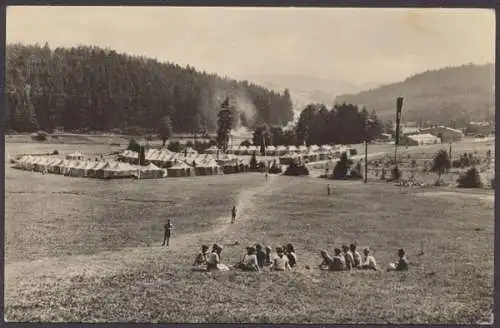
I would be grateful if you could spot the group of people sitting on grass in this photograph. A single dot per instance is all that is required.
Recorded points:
(258, 258)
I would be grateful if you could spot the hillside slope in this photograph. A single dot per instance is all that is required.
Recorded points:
(92, 89)
(450, 95)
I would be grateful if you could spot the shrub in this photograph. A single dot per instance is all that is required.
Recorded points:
(413, 163)
(245, 143)
(275, 168)
(39, 136)
(342, 168)
(295, 169)
(470, 179)
(174, 146)
(55, 152)
(133, 145)
(253, 162)
(441, 163)
(356, 173)
(190, 144)
(396, 173)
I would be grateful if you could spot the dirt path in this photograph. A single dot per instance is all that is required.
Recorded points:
(113, 262)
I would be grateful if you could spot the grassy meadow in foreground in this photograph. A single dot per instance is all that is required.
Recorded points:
(77, 250)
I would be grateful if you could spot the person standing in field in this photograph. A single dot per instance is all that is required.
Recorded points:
(328, 189)
(168, 230)
(292, 256)
(233, 214)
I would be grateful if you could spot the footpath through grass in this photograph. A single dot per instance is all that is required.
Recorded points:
(450, 283)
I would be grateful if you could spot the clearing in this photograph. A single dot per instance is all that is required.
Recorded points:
(88, 250)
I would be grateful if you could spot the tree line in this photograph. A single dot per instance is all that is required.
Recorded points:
(88, 88)
(342, 124)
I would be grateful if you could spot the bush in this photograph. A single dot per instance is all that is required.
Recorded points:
(295, 169)
(253, 163)
(40, 136)
(470, 179)
(342, 167)
(245, 143)
(55, 152)
(275, 168)
(396, 173)
(356, 173)
(174, 146)
(190, 144)
(133, 145)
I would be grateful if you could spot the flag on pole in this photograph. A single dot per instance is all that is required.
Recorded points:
(399, 106)
(225, 104)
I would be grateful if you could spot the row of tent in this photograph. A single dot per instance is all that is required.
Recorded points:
(278, 150)
(87, 168)
(108, 169)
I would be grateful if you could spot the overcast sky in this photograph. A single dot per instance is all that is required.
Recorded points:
(357, 45)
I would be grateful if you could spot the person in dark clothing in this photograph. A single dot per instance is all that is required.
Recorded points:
(269, 260)
(403, 261)
(292, 257)
(261, 255)
(402, 264)
(168, 230)
(233, 214)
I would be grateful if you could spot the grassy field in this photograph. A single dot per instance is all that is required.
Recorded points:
(86, 250)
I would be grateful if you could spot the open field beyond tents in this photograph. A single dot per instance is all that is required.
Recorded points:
(88, 250)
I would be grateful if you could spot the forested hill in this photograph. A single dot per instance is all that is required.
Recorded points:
(92, 89)
(449, 95)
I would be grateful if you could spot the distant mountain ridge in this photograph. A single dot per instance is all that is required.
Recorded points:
(451, 95)
(307, 89)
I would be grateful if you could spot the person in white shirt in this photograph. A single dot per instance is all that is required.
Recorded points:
(280, 262)
(213, 260)
(249, 261)
(369, 262)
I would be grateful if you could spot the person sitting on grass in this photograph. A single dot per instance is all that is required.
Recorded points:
(356, 256)
(269, 260)
(261, 255)
(290, 253)
(338, 261)
(349, 259)
(327, 261)
(213, 262)
(202, 257)
(249, 261)
(369, 262)
(280, 262)
(402, 264)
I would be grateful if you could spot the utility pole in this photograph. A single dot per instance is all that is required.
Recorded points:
(368, 123)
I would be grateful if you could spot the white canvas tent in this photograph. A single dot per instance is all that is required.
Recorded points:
(180, 169)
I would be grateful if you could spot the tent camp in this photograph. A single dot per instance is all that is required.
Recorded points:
(150, 172)
(242, 150)
(287, 159)
(303, 149)
(314, 148)
(76, 156)
(180, 169)
(271, 150)
(209, 167)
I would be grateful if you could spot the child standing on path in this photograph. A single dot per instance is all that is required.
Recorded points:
(168, 230)
(233, 214)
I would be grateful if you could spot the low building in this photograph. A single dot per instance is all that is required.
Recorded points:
(445, 133)
(420, 139)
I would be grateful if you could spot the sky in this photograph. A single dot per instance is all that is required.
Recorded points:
(356, 45)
